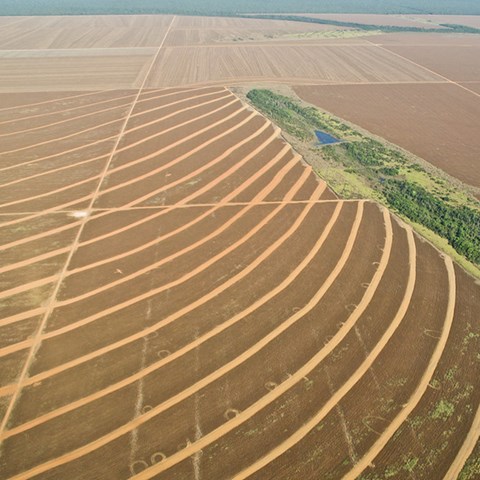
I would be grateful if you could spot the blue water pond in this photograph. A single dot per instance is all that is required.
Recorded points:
(325, 138)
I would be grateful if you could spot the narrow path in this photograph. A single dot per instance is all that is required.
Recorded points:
(55, 100)
(448, 80)
(416, 396)
(466, 449)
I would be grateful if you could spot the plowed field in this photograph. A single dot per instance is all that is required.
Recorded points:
(182, 298)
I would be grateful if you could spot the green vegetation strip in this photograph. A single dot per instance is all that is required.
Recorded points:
(447, 27)
(368, 168)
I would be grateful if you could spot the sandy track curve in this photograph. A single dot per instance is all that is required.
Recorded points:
(199, 341)
(416, 396)
(28, 286)
(58, 154)
(52, 192)
(65, 137)
(351, 382)
(54, 170)
(21, 345)
(466, 449)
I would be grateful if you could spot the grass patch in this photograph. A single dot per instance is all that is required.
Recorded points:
(354, 33)
(471, 469)
(443, 410)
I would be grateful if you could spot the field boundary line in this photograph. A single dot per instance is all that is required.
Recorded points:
(466, 449)
(52, 192)
(358, 374)
(37, 338)
(70, 135)
(187, 348)
(59, 154)
(54, 170)
(57, 99)
(24, 287)
(422, 386)
(72, 363)
(78, 107)
(426, 69)
(301, 81)
(65, 120)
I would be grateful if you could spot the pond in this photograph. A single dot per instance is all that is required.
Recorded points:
(325, 138)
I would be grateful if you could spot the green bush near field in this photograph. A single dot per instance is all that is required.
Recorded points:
(389, 176)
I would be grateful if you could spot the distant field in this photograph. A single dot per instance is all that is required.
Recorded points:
(24, 71)
(84, 32)
(286, 63)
